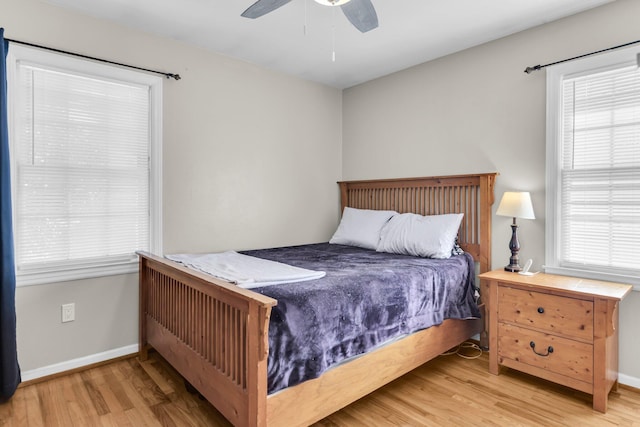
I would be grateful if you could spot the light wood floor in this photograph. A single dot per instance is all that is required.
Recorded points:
(448, 391)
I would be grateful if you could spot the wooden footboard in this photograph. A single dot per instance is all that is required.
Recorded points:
(214, 333)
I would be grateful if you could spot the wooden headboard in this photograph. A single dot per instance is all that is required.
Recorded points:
(468, 194)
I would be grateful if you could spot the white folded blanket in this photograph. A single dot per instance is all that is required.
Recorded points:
(244, 270)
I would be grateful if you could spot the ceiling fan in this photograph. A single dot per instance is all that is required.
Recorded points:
(360, 13)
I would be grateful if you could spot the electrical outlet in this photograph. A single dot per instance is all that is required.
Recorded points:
(68, 312)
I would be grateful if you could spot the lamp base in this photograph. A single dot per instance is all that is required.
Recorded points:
(514, 246)
(513, 268)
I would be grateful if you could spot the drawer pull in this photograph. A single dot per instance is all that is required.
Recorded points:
(533, 347)
(540, 310)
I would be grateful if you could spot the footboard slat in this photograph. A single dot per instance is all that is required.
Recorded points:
(225, 358)
(177, 308)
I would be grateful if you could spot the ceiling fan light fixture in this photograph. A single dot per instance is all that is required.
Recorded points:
(332, 2)
(360, 13)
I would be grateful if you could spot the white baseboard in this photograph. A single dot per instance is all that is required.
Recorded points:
(78, 363)
(628, 380)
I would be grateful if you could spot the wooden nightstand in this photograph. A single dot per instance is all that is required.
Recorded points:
(560, 328)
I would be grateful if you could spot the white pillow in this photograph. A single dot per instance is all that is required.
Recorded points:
(431, 236)
(361, 227)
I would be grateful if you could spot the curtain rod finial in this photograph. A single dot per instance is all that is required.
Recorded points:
(530, 70)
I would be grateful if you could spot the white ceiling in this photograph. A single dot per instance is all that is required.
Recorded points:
(410, 32)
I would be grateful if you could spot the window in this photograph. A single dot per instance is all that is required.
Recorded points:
(593, 167)
(85, 152)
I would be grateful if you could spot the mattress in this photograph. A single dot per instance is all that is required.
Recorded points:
(366, 299)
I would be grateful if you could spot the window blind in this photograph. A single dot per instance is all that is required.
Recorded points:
(82, 178)
(599, 192)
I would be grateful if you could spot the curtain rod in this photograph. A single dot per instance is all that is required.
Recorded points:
(529, 70)
(167, 75)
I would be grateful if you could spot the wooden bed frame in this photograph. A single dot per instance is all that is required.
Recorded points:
(215, 334)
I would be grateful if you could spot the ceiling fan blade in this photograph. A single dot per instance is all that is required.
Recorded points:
(262, 7)
(362, 14)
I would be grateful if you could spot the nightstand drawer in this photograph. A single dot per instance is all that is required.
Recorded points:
(552, 353)
(569, 317)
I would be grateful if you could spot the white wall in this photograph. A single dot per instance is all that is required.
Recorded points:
(477, 111)
(251, 159)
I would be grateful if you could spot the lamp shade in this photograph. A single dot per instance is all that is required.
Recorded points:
(516, 204)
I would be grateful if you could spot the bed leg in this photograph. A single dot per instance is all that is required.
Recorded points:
(143, 353)
(484, 333)
(484, 312)
(192, 390)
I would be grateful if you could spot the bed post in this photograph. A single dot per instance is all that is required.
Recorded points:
(258, 331)
(487, 198)
(344, 196)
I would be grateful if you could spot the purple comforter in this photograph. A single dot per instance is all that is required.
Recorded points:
(366, 299)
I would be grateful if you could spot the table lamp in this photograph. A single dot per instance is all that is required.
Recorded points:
(516, 205)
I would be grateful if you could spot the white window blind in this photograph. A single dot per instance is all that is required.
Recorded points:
(598, 182)
(82, 171)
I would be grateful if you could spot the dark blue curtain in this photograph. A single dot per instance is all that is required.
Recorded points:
(9, 369)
